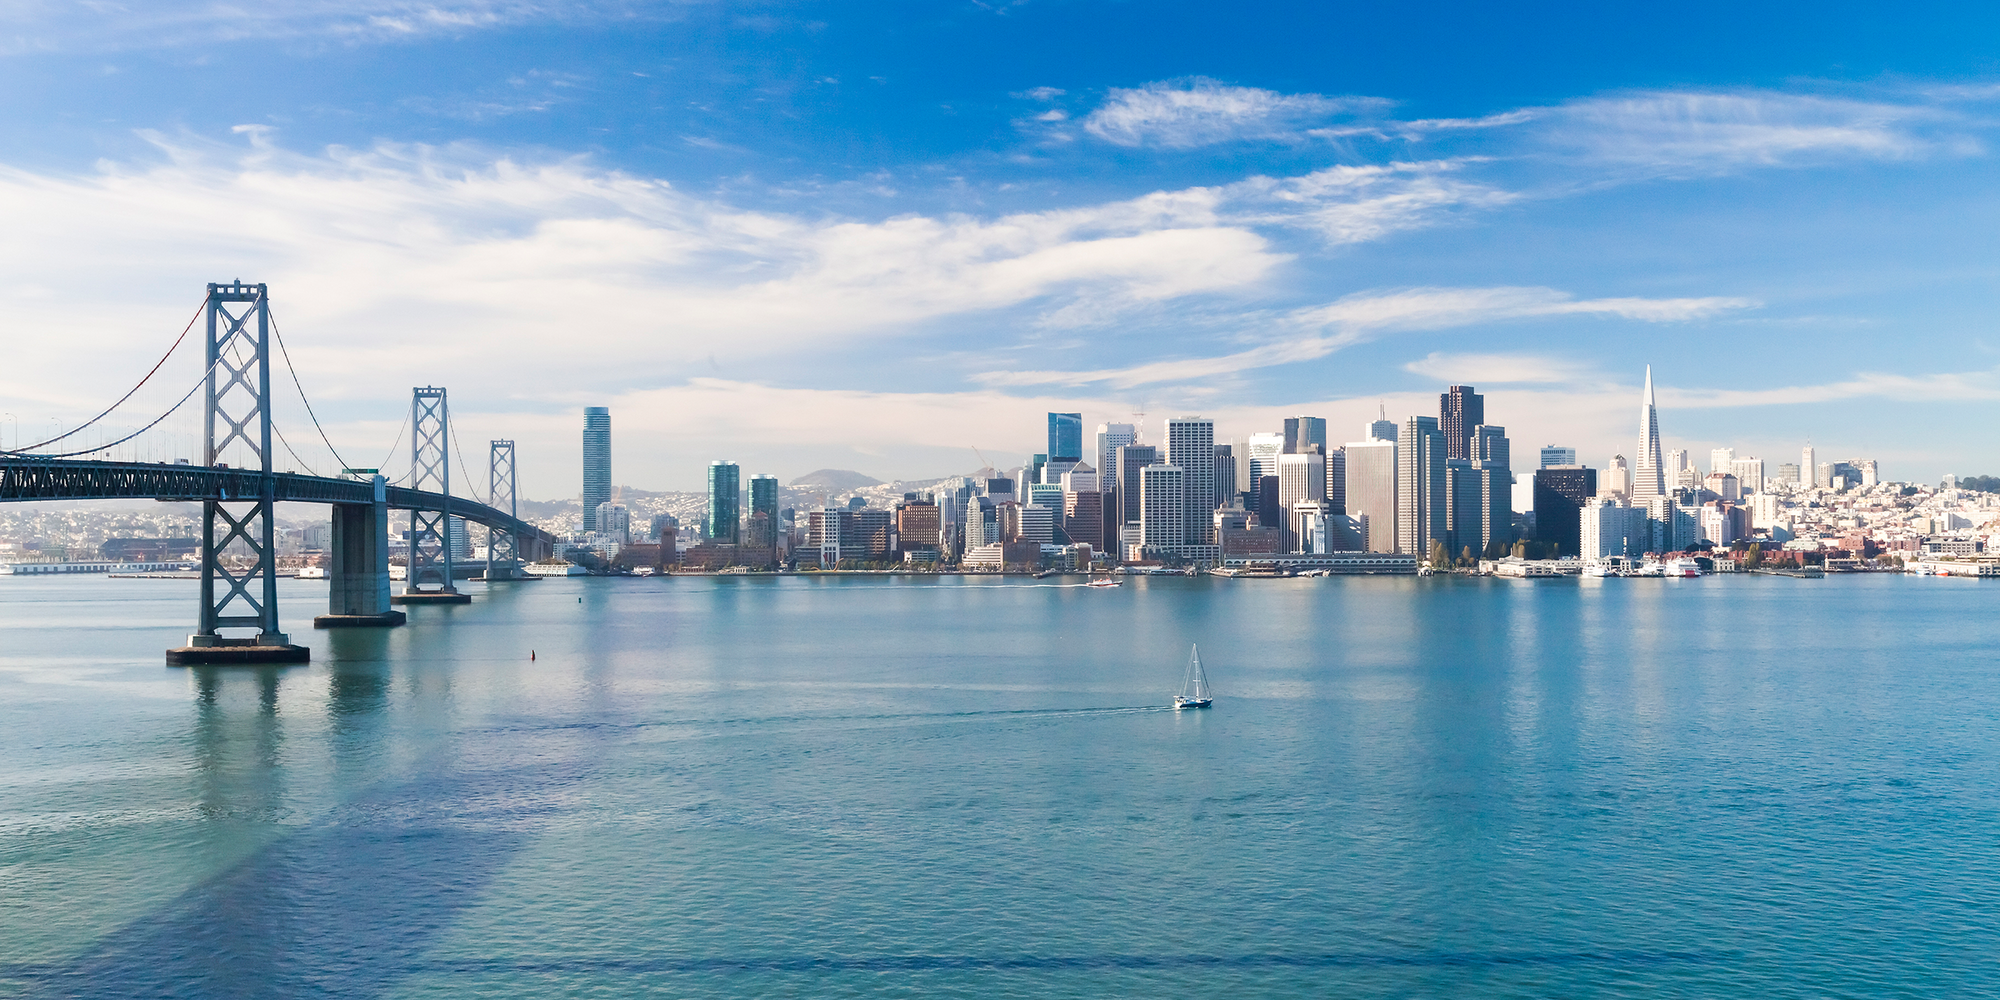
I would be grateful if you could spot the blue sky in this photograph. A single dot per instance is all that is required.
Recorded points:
(875, 236)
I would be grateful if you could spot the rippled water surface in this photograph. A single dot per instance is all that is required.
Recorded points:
(1728, 787)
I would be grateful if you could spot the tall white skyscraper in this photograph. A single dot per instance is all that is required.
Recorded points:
(1721, 459)
(1420, 485)
(1649, 478)
(1163, 507)
(1808, 467)
(1371, 490)
(1111, 437)
(1191, 446)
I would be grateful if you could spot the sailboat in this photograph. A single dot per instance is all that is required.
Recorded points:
(1194, 693)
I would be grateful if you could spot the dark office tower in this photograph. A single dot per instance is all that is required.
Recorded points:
(1270, 513)
(725, 491)
(1560, 493)
(764, 502)
(1465, 508)
(596, 462)
(1065, 437)
(1132, 458)
(1336, 479)
(1302, 433)
(1459, 411)
(1225, 474)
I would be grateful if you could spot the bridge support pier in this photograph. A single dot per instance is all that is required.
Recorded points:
(358, 572)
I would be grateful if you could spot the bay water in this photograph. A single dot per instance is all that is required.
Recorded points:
(898, 786)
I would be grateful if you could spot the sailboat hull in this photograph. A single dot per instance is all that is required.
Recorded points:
(1193, 702)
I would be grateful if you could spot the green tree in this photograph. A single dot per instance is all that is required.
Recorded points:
(1440, 559)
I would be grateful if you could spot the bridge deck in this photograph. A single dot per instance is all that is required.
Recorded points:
(68, 479)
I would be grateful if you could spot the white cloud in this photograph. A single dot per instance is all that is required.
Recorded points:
(31, 27)
(1702, 131)
(1200, 112)
(1355, 318)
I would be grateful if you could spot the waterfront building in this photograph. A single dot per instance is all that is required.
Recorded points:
(764, 513)
(1560, 494)
(1420, 487)
(1371, 489)
(1163, 508)
(1301, 479)
(724, 498)
(1083, 518)
(1131, 459)
(1553, 455)
(919, 526)
(1460, 409)
(1065, 437)
(1191, 447)
(1465, 509)
(614, 522)
(1749, 473)
(596, 463)
(1649, 478)
(1303, 433)
(1608, 528)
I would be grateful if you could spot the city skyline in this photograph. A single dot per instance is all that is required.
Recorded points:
(793, 244)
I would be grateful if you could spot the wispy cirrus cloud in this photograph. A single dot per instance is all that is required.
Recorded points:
(1707, 131)
(1188, 114)
(1502, 369)
(101, 27)
(1322, 330)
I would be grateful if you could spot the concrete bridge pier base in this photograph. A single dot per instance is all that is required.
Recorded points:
(358, 573)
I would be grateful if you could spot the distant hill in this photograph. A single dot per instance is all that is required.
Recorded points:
(835, 480)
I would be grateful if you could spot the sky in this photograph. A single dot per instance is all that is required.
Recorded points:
(889, 236)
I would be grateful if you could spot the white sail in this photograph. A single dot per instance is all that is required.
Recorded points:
(1194, 693)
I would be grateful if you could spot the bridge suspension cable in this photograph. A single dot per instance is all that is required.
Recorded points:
(19, 449)
(155, 422)
(289, 367)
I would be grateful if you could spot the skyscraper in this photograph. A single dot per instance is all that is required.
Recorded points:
(1264, 451)
(1381, 428)
(1560, 494)
(1191, 447)
(1720, 459)
(1749, 472)
(1065, 437)
(1465, 508)
(1163, 503)
(1301, 478)
(1460, 410)
(724, 497)
(1617, 478)
(1808, 467)
(1420, 487)
(1554, 455)
(596, 462)
(1302, 433)
(1649, 476)
(1110, 438)
(1130, 459)
(1225, 475)
(1371, 489)
(1336, 479)
(1492, 463)
(763, 512)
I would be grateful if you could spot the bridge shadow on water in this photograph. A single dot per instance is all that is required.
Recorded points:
(344, 907)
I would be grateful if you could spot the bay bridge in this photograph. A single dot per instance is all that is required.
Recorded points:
(237, 621)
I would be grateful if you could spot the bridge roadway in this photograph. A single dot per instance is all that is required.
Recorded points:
(66, 479)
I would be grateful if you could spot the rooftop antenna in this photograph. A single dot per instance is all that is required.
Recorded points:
(1139, 423)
